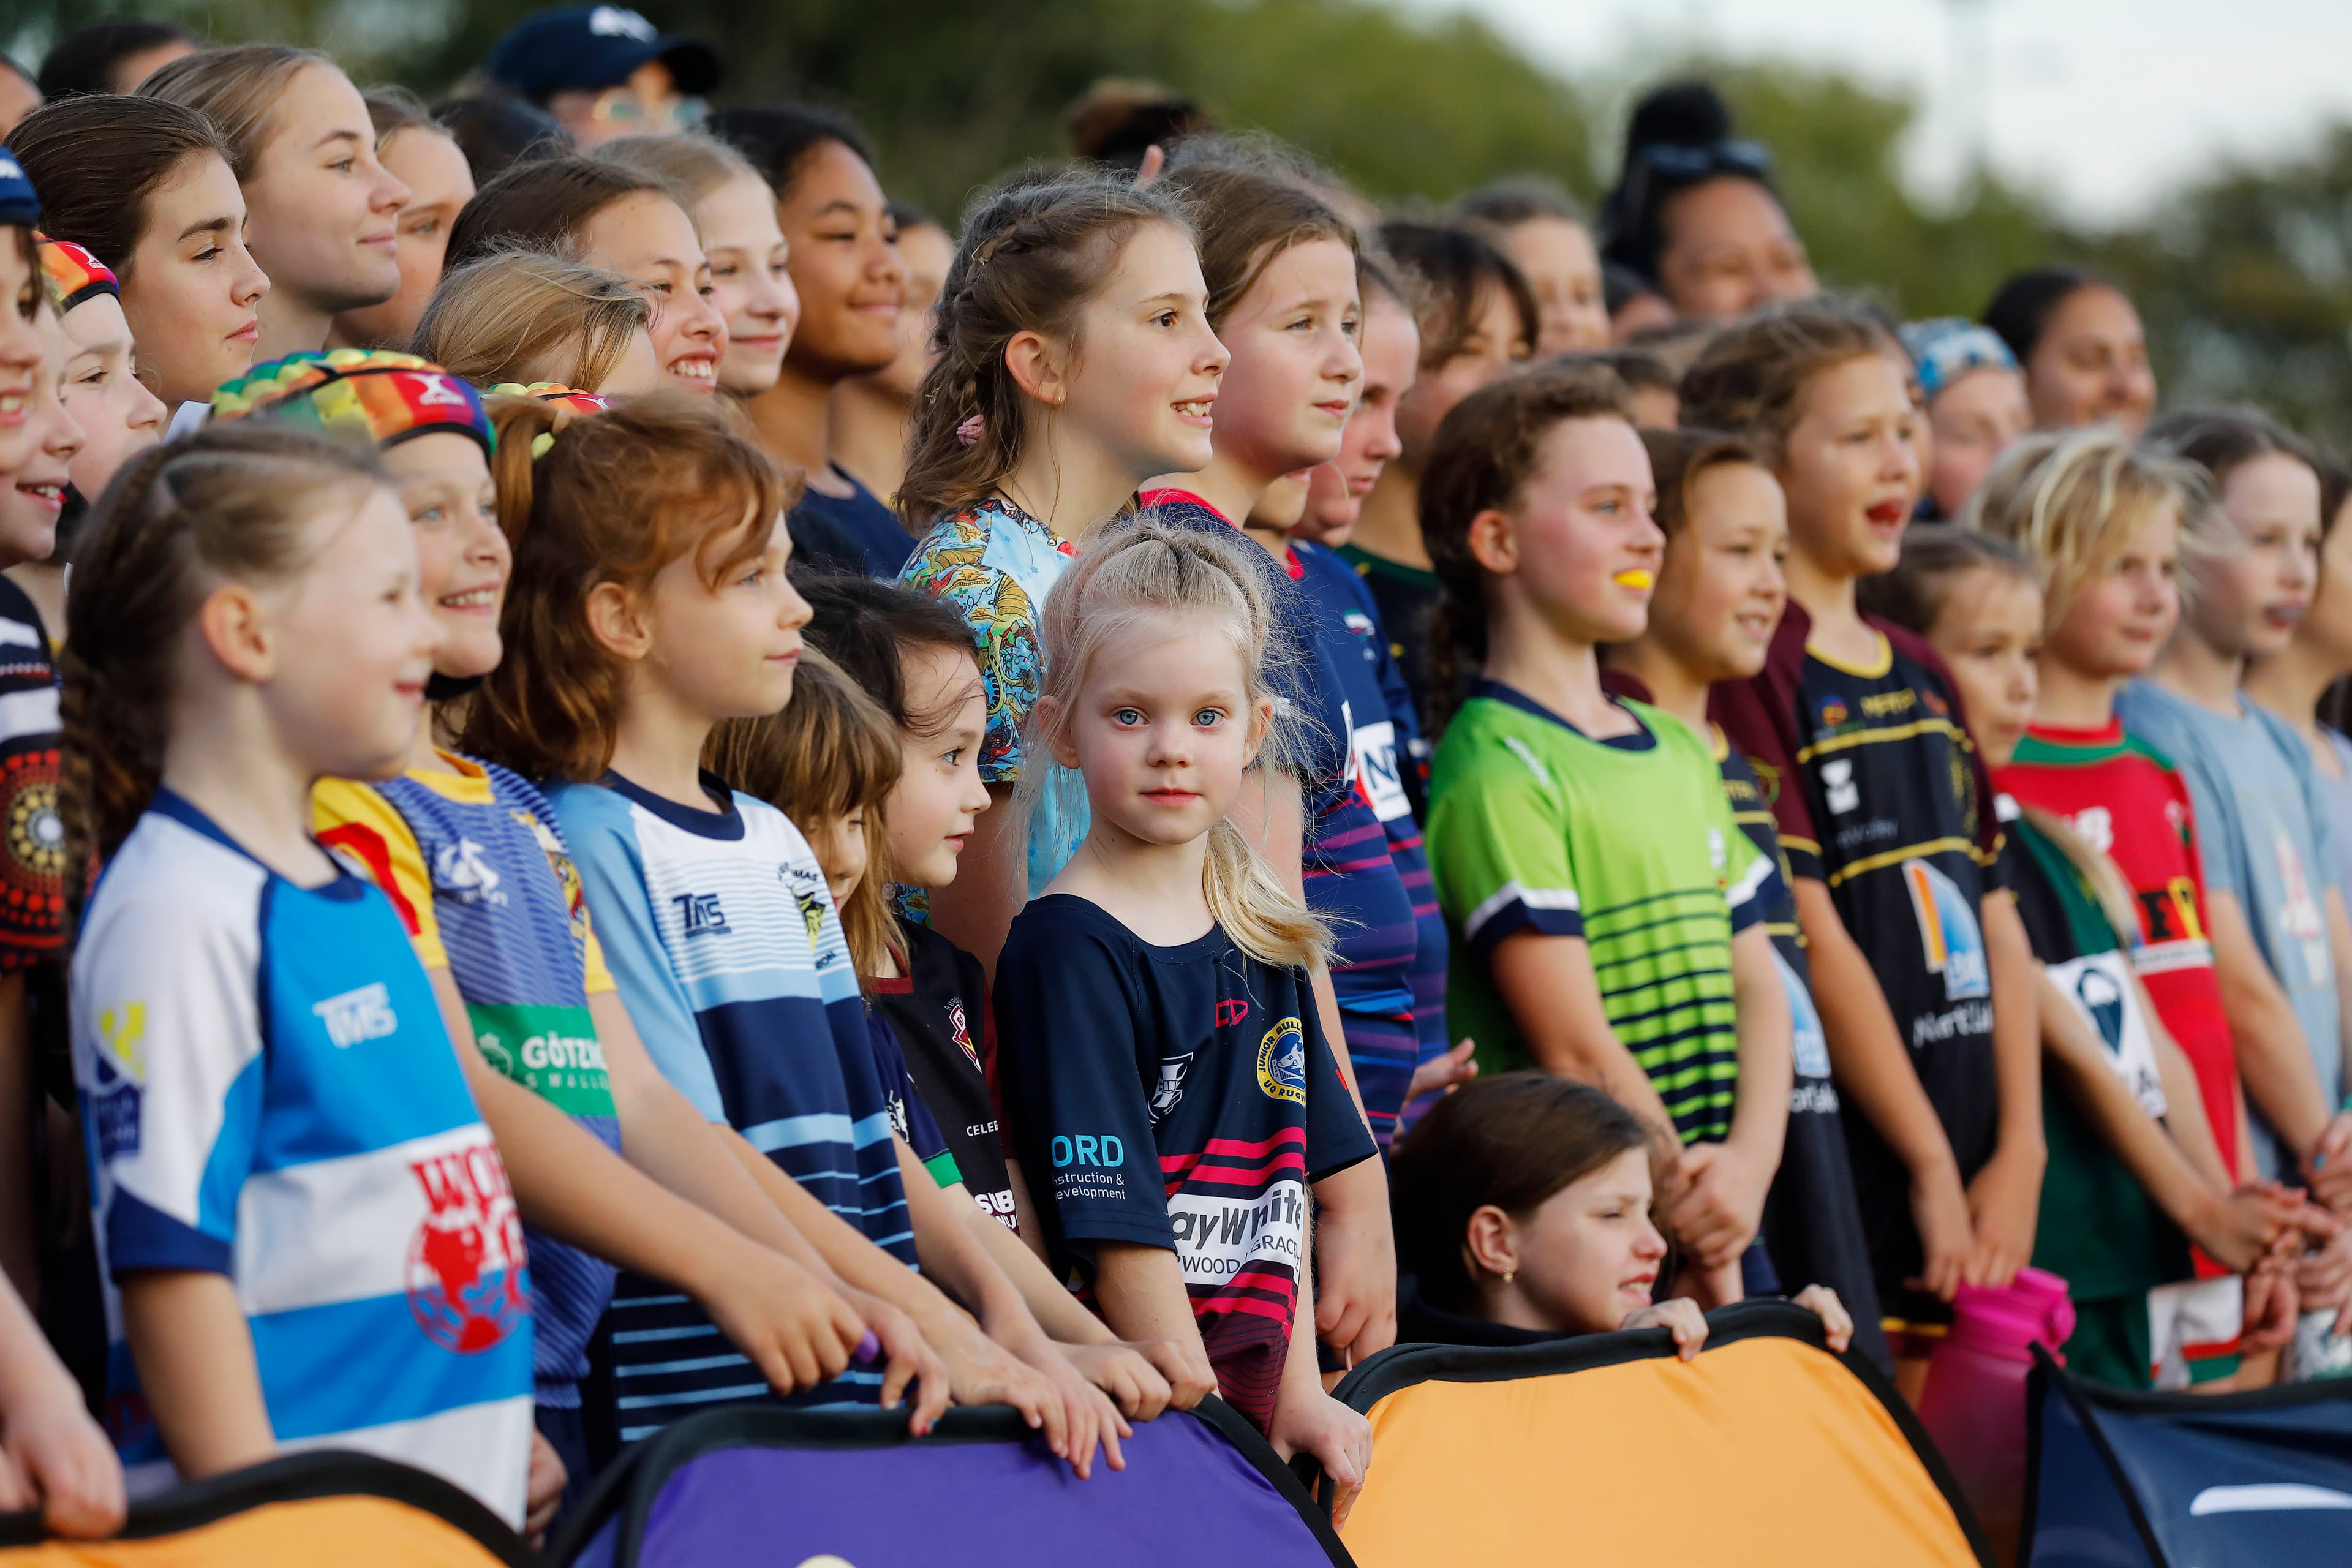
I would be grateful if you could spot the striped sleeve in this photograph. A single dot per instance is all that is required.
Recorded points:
(1498, 852)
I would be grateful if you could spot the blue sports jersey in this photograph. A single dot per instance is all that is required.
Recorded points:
(268, 1093)
(722, 938)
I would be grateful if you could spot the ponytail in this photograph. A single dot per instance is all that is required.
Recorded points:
(229, 501)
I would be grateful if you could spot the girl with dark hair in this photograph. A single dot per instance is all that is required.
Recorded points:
(1476, 318)
(1694, 210)
(111, 57)
(145, 186)
(1885, 812)
(623, 221)
(2081, 345)
(1545, 238)
(873, 415)
(851, 284)
(303, 146)
(1523, 1214)
(1075, 360)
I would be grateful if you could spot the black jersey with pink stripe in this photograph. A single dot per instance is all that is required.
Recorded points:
(1180, 1096)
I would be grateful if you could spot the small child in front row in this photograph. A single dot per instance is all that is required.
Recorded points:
(1607, 911)
(1720, 592)
(306, 1231)
(1162, 1061)
(831, 762)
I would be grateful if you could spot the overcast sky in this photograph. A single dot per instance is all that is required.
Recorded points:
(2107, 103)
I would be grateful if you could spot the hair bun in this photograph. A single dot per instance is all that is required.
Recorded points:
(1688, 113)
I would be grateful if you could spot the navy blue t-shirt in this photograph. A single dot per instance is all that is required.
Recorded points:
(855, 533)
(1179, 1097)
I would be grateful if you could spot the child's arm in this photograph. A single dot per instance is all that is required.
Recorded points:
(2330, 1164)
(1141, 1290)
(47, 1440)
(1719, 1214)
(2271, 1056)
(1874, 1070)
(1548, 984)
(960, 1262)
(1308, 1421)
(2005, 1198)
(196, 1363)
(2235, 1230)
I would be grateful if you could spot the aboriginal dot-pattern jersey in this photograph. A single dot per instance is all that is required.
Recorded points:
(1878, 791)
(32, 868)
(1179, 1097)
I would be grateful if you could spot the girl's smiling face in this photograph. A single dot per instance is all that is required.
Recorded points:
(750, 281)
(1849, 467)
(1721, 592)
(463, 558)
(1292, 382)
(1143, 376)
(1989, 629)
(2116, 623)
(35, 496)
(648, 239)
(847, 272)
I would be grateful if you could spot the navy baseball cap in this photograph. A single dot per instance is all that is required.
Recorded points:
(592, 47)
(18, 206)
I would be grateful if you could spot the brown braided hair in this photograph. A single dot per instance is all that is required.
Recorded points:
(1032, 254)
(231, 501)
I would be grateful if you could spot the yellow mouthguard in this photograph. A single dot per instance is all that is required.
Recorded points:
(1634, 577)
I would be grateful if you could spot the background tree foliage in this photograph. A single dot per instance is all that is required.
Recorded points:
(2245, 277)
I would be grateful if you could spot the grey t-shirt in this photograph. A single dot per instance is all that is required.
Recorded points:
(2263, 826)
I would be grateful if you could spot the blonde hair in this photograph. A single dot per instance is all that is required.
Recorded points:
(2072, 501)
(238, 89)
(1135, 571)
(691, 166)
(830, 752)
(519, 315)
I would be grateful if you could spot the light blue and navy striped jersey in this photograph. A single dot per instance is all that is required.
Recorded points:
(268, 1093)
(722, 937)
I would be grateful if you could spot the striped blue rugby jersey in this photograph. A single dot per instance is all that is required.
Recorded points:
(722, 936)
(268, 1093)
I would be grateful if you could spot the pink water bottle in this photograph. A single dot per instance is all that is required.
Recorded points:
(1974, 1401)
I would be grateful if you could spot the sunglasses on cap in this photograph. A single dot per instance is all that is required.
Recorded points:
(1672, 165)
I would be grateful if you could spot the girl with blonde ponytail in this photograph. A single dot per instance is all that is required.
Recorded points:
(1162, 1060)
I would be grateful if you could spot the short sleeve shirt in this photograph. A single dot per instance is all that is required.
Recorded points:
(474, 864)
(269, 1094)
(854, 534)
(1627, 843)
(1178, 1097)
(2263, 835)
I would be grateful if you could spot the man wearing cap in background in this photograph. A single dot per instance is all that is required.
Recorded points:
(603, 71)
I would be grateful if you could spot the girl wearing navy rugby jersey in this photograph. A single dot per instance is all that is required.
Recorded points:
(648, 604)
(1922, 971)
(1164, 1066)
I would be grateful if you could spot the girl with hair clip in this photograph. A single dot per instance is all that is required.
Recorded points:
(829, 762)
(2105, 525)
(1920, 968)
(1607, 912)
(278, 1129)
(604, 216)
(325, 210)
(52, 1455)
(851, 285)
(420, 153)
(1163, 1058)
(1524, 1209)
(1477, 318)
(734, 215)
(560, 1074)
(2130, 1147)
(145, 187)
(648, 605)
(1719, 591)
(1075, 360)
(2271, 876)
(525, 317)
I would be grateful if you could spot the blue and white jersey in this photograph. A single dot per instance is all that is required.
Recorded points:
(268, 1093)
(722, 936)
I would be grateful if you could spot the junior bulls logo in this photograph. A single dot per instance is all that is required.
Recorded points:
(465, 1276)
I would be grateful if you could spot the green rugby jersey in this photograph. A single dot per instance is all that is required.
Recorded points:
(1627, 843)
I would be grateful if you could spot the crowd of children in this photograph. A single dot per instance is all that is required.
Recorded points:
(1136, 802)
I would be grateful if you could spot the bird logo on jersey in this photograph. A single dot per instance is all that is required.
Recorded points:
(1281, 1062)
(465, 1282)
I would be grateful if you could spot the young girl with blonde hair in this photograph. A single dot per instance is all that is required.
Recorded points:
(1162, 1059)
